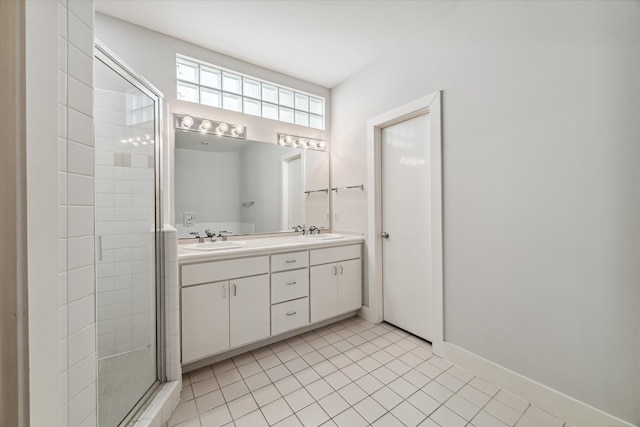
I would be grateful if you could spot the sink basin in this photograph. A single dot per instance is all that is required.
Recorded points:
(215, 246)
(326, 236)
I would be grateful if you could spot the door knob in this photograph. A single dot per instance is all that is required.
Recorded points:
(384, 235)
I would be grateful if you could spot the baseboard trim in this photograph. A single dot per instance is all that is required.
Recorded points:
(539, 395)
(367, 314)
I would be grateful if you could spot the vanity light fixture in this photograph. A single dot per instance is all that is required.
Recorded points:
(301, 141)
(210, 127)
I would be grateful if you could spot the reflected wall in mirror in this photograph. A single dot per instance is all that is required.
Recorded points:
(245, 187)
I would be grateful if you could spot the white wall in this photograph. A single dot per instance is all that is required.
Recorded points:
(42, 214)
(541, 194)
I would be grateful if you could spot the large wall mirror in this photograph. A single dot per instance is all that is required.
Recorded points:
(224, 183)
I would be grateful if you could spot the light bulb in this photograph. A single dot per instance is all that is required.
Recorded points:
(289, 139)
(238, 129)
(223, 127)
(205, 126)
(187, 122)
(321, 144)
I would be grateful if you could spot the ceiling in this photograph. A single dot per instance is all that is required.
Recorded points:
(323, 42)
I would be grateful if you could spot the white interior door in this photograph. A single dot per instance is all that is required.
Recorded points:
(407, 291)
(292, 191)
(295, 192)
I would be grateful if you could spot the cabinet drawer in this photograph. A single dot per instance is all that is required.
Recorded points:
(288, 285)
(216, 271)
(327, 255)
(289, 261)
(289, 315)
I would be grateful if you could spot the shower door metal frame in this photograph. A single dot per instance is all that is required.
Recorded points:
(102, 53)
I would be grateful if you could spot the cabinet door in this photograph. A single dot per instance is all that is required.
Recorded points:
(323, 292)
(349, 285)
(205, 320)
(250, 309)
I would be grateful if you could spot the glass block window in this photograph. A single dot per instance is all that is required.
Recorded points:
(210, 85)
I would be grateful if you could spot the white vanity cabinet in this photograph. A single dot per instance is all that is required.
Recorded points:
(335, 281)
(226, 314)
(241, 300)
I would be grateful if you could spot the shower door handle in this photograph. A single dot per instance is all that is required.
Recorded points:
(99, 244)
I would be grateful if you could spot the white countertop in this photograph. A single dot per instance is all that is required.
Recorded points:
(259, 246)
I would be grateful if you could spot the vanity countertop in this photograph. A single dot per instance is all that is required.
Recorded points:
(259, 246)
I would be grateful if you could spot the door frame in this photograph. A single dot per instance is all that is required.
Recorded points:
(284, 185)
(430, 105)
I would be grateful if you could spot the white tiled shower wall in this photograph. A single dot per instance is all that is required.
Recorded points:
(125, 211)
(77, 329)
(76, 394)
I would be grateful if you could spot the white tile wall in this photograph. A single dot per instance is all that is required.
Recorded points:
(77, 349)
(125, 323)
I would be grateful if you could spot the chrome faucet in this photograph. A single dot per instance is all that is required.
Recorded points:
(223, 234)
(313, 228)
(198, 236)
(299, 228)
(211, 235)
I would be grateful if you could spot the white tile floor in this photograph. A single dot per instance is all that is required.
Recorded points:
(351, 373)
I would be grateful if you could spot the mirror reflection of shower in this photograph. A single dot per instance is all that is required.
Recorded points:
(125, 214)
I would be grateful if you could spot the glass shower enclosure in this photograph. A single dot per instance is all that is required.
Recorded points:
(128, 240)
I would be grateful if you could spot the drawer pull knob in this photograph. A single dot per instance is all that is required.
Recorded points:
(335, 270)
(289, 261)
(291, 283)
(291, 313)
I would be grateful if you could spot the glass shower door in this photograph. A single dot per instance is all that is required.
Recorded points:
(127, 218)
